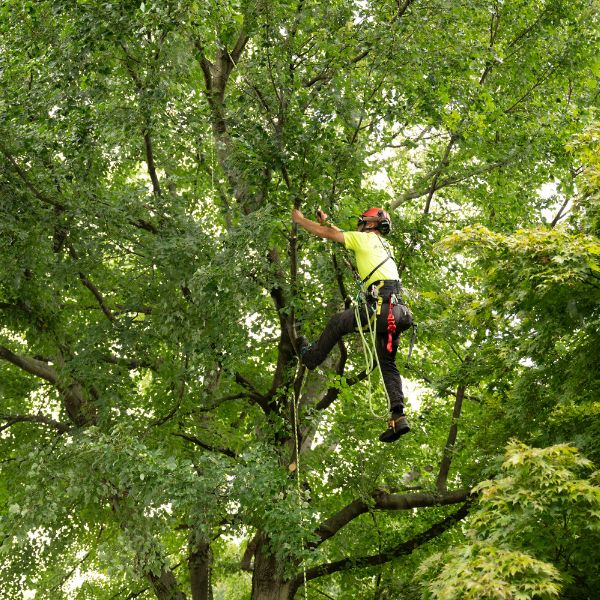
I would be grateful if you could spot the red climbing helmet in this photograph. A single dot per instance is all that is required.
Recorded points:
(375, 215)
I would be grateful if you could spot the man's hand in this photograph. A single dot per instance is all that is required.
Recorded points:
(321, 216)
(330, 233)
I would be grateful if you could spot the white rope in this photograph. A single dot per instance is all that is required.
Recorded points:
(295, 404)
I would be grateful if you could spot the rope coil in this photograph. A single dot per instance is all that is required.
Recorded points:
(369, 350)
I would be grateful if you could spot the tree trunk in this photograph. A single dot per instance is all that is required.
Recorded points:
(268, 581)
(200, 561)
(165, 586)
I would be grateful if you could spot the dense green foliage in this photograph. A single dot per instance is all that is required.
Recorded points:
(539, 508)
(151, 285)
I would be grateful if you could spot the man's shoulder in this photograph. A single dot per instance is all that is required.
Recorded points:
(356, 239)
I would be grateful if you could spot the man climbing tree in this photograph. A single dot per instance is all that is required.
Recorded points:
(382, 310)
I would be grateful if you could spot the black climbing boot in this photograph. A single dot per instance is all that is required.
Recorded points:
(397, 426)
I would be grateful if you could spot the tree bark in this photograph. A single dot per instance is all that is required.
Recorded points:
(385, 501)
(165, 586)
(80, 410)
(200, 563)
(268, 582)
(449, 448)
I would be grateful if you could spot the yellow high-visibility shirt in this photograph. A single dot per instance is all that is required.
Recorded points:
(370, 249)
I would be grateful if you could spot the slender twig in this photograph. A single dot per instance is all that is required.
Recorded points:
(546, 75)
(559, 215)
(90, 286)
(66, 577)
(198, 442)
(414, 194)
(23, 175)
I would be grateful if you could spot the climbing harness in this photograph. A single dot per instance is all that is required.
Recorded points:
(391, 322)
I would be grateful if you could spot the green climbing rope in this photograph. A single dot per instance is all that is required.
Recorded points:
(369, 350)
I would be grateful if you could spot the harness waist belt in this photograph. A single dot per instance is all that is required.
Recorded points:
(384, 289)
(387, 286)
(384, 283)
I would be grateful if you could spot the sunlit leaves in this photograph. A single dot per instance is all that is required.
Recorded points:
(143, 241)
(538, 518)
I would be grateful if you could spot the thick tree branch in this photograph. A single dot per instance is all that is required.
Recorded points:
(339, 278)
(246, 562)
(76, 404)
(286, 352)
(384, 501)
(216, 76)
(145, 225)
(238, 47)
(206, 66)
(165, 585)
(493, 33)
(253, 392)
(130, 364)
(30, 365)
(559, 215)
(200, 566)
(402, 549)
(98, 295)
(150, 162)
(402, 8)
(449, 447)
(293, 255)
(38, 419)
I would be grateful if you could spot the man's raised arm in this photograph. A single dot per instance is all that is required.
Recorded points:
(330, 233)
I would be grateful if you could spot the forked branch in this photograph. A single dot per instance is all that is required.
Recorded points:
(401, 549)
(384, 501)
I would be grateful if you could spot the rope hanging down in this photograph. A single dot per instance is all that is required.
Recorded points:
(369, 350)
(295, 404)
